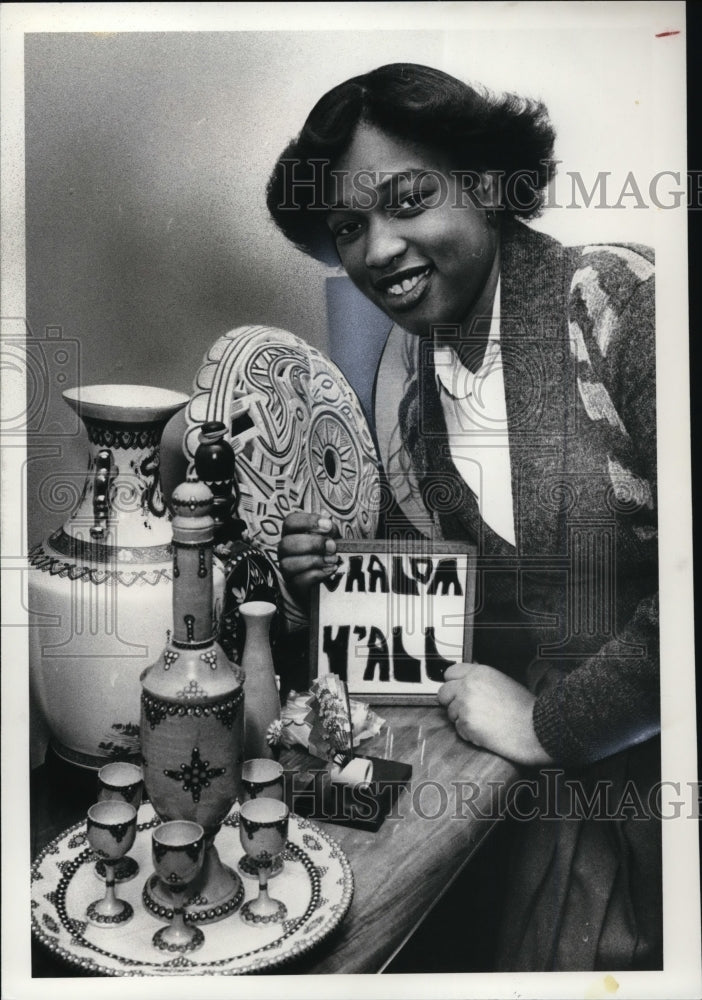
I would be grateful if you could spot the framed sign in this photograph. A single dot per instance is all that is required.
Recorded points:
(393, 617)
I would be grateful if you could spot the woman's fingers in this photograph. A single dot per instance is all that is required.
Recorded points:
(307, 550)
(295, 565)
(307, 544)
(448, 691)
(301, 522)
(457, 671)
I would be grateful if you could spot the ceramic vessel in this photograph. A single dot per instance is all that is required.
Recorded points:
(101, 584)
(193, 714)
(299, 434)
(262, 698)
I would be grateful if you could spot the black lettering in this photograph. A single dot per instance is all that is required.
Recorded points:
(377, 575)
(401, 583)
(378, 656)
(446, 577)
(436, 665)
(406, 668)
(356, 575)
(332, 582)
(421, 569)
(337, 649)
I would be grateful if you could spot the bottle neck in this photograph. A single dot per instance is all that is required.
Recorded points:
(193, 623)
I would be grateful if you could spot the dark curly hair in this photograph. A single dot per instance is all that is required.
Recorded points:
(478, 132)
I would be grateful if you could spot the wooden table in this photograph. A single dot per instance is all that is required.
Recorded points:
(454, 799)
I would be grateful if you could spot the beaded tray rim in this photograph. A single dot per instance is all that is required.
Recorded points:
(257, 964)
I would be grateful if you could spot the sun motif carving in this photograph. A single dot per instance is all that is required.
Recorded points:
(335, 465)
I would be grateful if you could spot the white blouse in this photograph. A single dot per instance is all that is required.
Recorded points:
(476, 421)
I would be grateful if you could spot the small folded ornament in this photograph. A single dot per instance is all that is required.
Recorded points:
(294, 728)
(330, 720)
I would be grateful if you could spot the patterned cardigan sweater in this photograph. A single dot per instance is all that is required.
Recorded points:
(572, 609)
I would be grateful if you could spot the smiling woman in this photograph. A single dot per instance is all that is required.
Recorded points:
(514, 408)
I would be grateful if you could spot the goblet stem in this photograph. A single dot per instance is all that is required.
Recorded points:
(178, 936)
(263, 896)
(109, 911)
(178, 928)
(111, 903)
(263, 909)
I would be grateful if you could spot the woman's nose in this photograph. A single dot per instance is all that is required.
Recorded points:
(383, 244)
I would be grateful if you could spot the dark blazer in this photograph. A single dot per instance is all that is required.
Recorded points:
(571, 610)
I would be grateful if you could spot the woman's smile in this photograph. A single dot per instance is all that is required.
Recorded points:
(405, 288)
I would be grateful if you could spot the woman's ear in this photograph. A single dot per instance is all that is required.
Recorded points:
(490, 190)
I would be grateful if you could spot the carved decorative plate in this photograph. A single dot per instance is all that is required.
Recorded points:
(300, 436)
(316, 885)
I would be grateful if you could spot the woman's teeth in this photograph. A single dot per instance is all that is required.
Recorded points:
(407, 285)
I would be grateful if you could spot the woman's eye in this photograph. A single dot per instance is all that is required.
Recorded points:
(413, 201)
(344, 230)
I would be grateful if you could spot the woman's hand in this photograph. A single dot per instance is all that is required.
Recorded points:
(307, 552)
(493, 711)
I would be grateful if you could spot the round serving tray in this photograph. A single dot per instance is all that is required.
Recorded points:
(316, 886)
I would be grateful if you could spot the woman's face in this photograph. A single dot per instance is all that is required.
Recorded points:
(408, 237)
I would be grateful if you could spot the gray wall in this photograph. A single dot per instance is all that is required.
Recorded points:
(147, 157)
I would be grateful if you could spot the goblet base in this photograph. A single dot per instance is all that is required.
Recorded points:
(99, 918)
(217, 892)
(125, 869)
(165, 940)
(248, 867)
(275, 915)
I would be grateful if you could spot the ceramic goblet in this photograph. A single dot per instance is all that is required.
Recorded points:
(178, 851)
(261, 778)
(263, 829)
(124, 782)
(111, 831)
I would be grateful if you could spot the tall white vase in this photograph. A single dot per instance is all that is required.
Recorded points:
(262, 699)
(101, 585)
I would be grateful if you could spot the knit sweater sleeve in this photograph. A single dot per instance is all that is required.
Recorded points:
(611, 700)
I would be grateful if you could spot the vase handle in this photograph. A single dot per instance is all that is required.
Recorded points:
(101, 486)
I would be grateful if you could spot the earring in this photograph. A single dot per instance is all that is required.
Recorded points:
(491, 216)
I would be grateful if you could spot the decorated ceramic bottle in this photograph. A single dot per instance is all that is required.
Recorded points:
(193, 713)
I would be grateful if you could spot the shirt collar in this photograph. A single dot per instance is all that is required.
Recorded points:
(451, 374)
